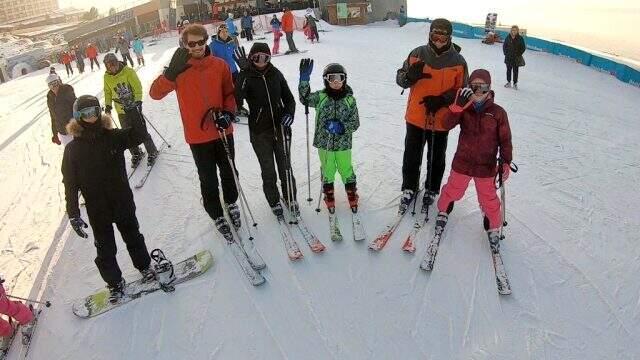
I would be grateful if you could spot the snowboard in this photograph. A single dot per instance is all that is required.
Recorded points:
(98, 303)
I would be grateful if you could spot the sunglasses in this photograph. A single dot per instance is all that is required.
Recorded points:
(260, 58)
(484, 88)
(439, 36)
(337, 77)
(193, 44)
(87, 112)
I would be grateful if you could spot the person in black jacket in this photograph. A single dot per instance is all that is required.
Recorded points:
(271, 110)
(513, 48)
(94, 164)
(60, 100)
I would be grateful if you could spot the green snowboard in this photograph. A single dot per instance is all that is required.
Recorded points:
(185, 270)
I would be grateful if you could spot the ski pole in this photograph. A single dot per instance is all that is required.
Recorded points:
(320, 194)
(244, 205)
(153, 127)
(45, 303)
(286, 138)
(309, 199)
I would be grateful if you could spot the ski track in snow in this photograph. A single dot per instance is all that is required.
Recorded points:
(570, 252)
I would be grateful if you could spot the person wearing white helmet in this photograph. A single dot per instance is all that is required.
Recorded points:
(60, 100)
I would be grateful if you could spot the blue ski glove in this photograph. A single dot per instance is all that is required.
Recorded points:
(286, 120)
(306, 68)
(77, 224)
(335, 127)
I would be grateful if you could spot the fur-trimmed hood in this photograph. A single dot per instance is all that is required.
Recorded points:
(75, 128)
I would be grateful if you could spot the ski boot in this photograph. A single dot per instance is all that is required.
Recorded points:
(234, 214)
(427, 200)
(352, 196)
(277, 211)
(441, 222)
(329, 198)
(508, 84)
(223, 227)
(136, 158)
(116, 291)
(515, 86)
(148, 275)
(151, 158)
(405, 201)
(494, 240)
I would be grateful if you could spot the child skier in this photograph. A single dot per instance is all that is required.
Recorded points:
(484, 134)
(14, 309)
(336, 120)
(138, 48)
(93, 163)
(277, 34)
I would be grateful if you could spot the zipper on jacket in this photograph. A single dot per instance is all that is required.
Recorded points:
(270, 107)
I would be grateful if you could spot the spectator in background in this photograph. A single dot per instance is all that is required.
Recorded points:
(231, 26)
(138, 47)
(402, 16)
(92, 54)
(60, 99)
(123, 47)
(513, 48)
(247, 26)
(79, 58)
(277, 34)
(65, 58)
(288, 25)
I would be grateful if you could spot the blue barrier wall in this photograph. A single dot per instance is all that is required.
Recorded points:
(620, 71)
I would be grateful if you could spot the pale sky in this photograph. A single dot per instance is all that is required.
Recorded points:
(603, 25)
(102, 5)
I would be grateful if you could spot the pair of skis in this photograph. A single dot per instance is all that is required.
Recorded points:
(356, 225)
(247, 256)
(291, 246)
(428, 261)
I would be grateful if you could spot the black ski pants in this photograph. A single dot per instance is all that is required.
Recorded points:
(125, 122)
(514, 69)
(105, 243)
(248, 33)
(68, 68)
(414, 143)
(268, 147)
(209, 157)
(127, 56)
(290, 42)
(94, 60)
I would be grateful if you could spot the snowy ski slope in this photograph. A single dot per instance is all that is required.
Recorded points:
(571, 252)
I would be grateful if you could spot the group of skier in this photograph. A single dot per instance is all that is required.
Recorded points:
(209, 89)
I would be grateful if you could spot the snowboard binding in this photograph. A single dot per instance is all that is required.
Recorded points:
(164, 270)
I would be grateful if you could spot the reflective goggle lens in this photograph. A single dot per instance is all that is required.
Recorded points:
(339, 77)
(484, 88)
(86, 113)
(260, 58)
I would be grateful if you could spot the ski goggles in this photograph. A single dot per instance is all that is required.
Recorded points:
(193, 44)
(260, 58)
(337, 77)
(87, 112)
(484, 88)
(439, 36)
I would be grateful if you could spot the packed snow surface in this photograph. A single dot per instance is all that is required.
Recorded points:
(571, 251)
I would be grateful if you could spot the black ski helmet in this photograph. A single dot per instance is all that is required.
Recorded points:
(86, 101)
(334, 68)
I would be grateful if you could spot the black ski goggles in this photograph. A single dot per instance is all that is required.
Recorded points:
(483, 88)
(336, 78)
(87, 112)
(260, 58)
(437, 35)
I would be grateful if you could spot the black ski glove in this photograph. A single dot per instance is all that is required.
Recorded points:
(178, 64)
(414, 72)
(463, 96)
(240, 57)
(77, 224)
(434, 103)
(224, 119)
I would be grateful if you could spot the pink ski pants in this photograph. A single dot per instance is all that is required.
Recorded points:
(454, 190)
(14, 309)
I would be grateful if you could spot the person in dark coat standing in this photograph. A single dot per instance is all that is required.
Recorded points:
(60, 99)
(271, 110)
(246, 22)
(93, 163)
(513, 48)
